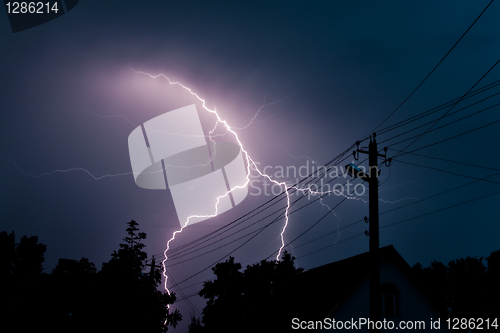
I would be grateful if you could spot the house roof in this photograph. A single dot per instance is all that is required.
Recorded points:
(324, 287)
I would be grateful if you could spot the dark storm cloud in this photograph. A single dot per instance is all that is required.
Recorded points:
(346, 64)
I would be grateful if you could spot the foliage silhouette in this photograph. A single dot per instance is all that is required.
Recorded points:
(130, 294)
(20, 279)
(244, 300)
(76, 297)
(467, 287)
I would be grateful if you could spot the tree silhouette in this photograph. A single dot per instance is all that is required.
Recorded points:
(467, 287)
(71, 292)
(242, 301)
(130, 299)
(21, 280)
(435, 281)
(121, 297)
(492, 285)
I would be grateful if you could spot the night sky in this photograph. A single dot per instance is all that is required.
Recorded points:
(69, 100)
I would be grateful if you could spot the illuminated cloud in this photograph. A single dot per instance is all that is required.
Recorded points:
(171, 151)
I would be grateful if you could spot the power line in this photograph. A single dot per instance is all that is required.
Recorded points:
(475, 129)
(450, 138)
(387, 225)
(397, 208)
(193, 246)
(432, 71)
(400, 207)
(435, 120)
(438, 108)
(334, 207)
(385, 121)
(226, 228)
(234, 250)
(184, 297)
(312, 226)
(277, 219)
(326, 247)
(440, 210)
(402, 221)
(260, 229)
(446, 171)
(432, 196)
(194, 284)
(440, 193)
(430, 127)
(265, 203)
(332, 179)
(451, 161)
(215, 233)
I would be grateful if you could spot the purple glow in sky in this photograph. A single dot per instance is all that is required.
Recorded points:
(326, 73)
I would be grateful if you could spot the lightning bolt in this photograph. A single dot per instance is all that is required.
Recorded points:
(296, 157)
(250, 162)
(65, 171)
(112, 116)
(263, 106)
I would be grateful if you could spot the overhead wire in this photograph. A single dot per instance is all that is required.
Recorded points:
(449, 138)
(191, 305)
(439, 210)
(446, 171)
(432, 71)
(231, 252)
(439, 108)
(452, 122)
(403, 206)
(475, 84)
(182, 247)
(432, 144)
(239, 230)
(476, 180)
(314, 224)
(428, 75)
(381, 213)
(292, 188)
(401, 221)
(320, 196)
(451, 161)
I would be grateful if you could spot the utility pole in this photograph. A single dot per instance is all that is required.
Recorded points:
(152, 270)
(373, 232)
(375, 304)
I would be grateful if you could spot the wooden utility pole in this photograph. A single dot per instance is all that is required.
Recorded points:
(375, 303)
(372, 179)
(153, 266)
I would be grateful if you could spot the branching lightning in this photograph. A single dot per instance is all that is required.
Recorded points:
(263, 106)
(227, 129)
(250, 162)
(65, 171)
(112, 116)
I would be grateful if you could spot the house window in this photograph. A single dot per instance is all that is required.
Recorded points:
(391, 300)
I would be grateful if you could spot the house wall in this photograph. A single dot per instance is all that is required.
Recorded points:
(413, 305)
